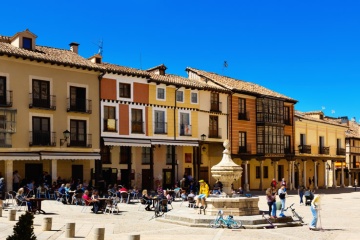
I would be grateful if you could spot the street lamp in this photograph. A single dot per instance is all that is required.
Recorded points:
(66, 134)
(203, 136)
(327, 174)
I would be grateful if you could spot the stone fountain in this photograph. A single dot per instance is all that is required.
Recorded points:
(227, 172)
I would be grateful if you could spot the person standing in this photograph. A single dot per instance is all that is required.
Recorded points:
(203, 194)
(315, 205)
(301, 191)
(273, 183)
(282, 194)
(355, 184)
(16, 180)
(270, 198)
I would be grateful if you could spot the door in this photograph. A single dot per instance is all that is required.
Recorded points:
(125, 175)
(77, 172)
(167, 179)
(204, 174)
(78, 99)
(136, 121)
(160, 122)
(34, 172)
(213, 127)
(41, 131)
(2, 90)
(145, 181)
(185, 128)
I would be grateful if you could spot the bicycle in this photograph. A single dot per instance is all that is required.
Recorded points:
(229, 222)
(295, 214)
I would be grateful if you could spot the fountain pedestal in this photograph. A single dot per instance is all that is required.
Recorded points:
(227, 172)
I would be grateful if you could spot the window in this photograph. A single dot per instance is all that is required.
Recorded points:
(136, 121)
(145, 156)
(105, 155)
(78, 133)
(169, 153)
(27, 43)
(185, 127)
(159, 124)
(287, 144)
(242, 142)
(3, 91)
(109, 119)
(258, 173)
(213, 127)
(302, 139)
(280, 172)
(194, 97)
(266, 172)
(242, 109)
(125, 155)
(270, 140)
(41, 131)
(161, 93)
(41, 93)
(180, 96)
(287, 116)
(215, 104)
(78, 99)
(124, 90)
(269, 110)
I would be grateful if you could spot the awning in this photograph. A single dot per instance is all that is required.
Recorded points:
(19, 156)
(175, 142)
(69, 156)
(127, 142)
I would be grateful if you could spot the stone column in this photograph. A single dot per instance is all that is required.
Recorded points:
(350, 178)
(246, 185)
(293, 174)
(275, 170)
(54, 170)
(334, 174)
(261, 174)
(325, 175)
(315, 175)
(342, 175)
(304, 173)
(289, 176)
(9, 169)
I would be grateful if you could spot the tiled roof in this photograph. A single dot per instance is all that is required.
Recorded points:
(124, 70)
(354, 130)
(326, 120)
(161, 66)
(235, 84)
(47, 55)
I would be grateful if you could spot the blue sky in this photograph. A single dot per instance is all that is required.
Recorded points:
(307, 50)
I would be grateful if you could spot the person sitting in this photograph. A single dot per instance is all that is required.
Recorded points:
(159, 190)
(191, 198)
(86, 197)
(20, 198)
(147, 199)
(96, 201)
(240, 191)
(123, 189)
(183, 195)
(216, 189)
(203, 194)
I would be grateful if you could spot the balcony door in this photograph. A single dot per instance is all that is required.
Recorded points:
(41, 93)
(185, 128)
(214, 102)
(78, 133)
(136, 121)
(159, 122)
(41, 131)
(2, 90)
(78, 99)
(213, 127)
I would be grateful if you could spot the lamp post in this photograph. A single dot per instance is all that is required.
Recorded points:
(201, 150)
(327, 174)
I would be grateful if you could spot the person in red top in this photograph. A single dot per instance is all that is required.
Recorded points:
(273, 183)
(86, 197)
(123, 189)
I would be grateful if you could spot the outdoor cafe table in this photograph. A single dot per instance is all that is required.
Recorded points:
(36, 204)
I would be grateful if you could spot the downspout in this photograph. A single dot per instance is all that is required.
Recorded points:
(173, 147)
(98, 163)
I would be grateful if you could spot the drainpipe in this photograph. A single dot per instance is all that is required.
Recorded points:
(173, 147)
(98, 163)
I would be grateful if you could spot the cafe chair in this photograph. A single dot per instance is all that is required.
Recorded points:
(60, 197)
(125, 197)
(191, 202)
(20, 203)
(40, 193)
(77, 199)
(87, 204)
(10, 198)
(112, 205)
(143, 203)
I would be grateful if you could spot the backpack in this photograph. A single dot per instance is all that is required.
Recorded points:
(282, 195)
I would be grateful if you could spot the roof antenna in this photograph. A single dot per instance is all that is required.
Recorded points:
(100, 46)
(225, 65)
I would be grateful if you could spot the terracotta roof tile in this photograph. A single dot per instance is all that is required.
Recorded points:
(124, 70)
(326, 120)
(235, 84)
(46, 54)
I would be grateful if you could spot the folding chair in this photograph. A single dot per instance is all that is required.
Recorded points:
(20, 203)
(40, 193)
(191, 201)
(111, 205)
(125, 197)
(52, 194)
(60, 197)
(77, 199)
(142, 203)
(10, 198)
(87, 204)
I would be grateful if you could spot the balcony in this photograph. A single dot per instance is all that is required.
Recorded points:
(305, 149)
(137, 127)
(215, 106)
(48, 102)
(287, 122)
(110, 125)
(7, 99)
(244, 116)
(42, 138)
(5, 140)
(245, 149)
(354, 149)
(81, 140)
(324, 150)
(185, 130)
(340, 151)
(160, 128)
(214, 133)
(79, 105)
(287, 150)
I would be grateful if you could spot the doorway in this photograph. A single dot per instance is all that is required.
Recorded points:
(34, 172)
(167, 179)
(77, 172)
(145, 180)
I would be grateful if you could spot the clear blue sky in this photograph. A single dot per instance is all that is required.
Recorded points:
(307, 50)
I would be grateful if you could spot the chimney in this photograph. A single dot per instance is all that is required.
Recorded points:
(74, 47)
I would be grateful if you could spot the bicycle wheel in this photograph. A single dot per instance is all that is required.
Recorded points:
(233, 224)
(215, 224)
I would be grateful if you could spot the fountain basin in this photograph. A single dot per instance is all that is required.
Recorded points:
(238, 206)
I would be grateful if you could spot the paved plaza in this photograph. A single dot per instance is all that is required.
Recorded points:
(339, 218)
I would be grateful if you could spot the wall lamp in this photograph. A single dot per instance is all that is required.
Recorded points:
(66, 134)
(203, 148)
(203, 136)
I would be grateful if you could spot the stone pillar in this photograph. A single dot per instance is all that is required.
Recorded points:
(304, 173)
(70, 230)
(276, 170)
(334, 174)
(342, 175)
(54, 170)
(289, 176)
(1, 209)
(293, 174)
(9, 169)
(99, 233)
(47, 222)
(261, 174)
(12, 214)
(325, 175)
(315, 175)
(134, 237)
(246, 185)
(350, 178)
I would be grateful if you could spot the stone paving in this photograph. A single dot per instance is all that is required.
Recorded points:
(339, 219)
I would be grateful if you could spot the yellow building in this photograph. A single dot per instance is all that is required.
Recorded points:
(48, 110)
(320, 150)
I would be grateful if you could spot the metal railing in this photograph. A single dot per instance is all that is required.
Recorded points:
(305, 149)
(81, 140)
(324, 150)
(244, 116)
(5, 141)
(42, 138)
(137, 127)
(340, 151)
(214, 133)
(160, 128)
(7, 100)
(110, 125)
(245, 149)
(185, 130)
(48, 103)
(79, 105)
(215, 106)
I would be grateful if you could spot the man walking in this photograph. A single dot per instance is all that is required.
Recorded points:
(282, 194)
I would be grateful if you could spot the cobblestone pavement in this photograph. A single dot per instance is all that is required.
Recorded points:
(339, 219)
